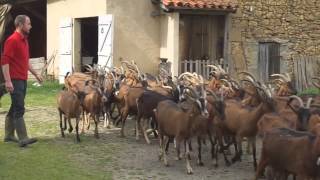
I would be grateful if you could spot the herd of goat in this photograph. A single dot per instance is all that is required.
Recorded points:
(223, 110)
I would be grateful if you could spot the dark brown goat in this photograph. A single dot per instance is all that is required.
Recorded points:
(299, 153)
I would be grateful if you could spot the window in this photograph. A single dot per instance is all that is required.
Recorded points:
(268, 60)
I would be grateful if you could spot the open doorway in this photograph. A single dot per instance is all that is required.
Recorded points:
(201, 42)
(201, 37)
(89, 41)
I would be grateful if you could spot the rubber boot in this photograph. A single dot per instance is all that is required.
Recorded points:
(9, 130)
(22, 133)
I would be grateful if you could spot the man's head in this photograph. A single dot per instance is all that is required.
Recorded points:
(23, 24)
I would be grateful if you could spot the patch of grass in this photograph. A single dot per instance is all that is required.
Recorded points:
(45, 160)
(44, 95)
(54, 157)
(310, 91)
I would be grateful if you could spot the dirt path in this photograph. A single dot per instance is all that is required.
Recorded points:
(137, 160)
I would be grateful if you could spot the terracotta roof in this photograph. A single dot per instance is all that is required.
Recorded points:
(202, 4)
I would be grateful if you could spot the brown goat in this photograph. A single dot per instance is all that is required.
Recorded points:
(70, 105)
(180, 121)
(92, 105)
(242, 122)
(299, 153)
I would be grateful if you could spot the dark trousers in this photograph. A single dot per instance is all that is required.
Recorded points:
(18, 95)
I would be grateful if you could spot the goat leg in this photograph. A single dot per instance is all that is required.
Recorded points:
(200, 163)
(105, 120)
(214, 155)
(124, 115)
(161, 146)
(142, 124)
(138, 128)
(252, 141)
(83, 121)
(96, 121)
(178, 143)
(261, 166)
(88, 120)
(222, 148)
(153, 125)
(70, 126)
(189, 168)
(165, 141)
(238, 154)
(61, 125)
(65, 124)
(77, 130)
(167, 145)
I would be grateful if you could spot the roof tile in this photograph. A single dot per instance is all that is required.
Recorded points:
(202, 4)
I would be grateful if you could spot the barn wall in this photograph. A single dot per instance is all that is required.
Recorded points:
(136, 33)
(56, 10)
(293, 24)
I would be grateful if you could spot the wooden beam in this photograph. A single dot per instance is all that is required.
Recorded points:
(36, 14)
(25, 2)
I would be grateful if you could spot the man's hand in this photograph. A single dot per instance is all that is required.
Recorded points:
(9, 86)
(39, 78)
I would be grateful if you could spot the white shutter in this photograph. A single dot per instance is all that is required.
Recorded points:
(105, 40)
(65, 48)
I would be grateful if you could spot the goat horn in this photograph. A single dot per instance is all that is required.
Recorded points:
(249, 80)
(88, 67)
(201, 79)
(167, 87)
(309, 102)
(227, 82)
(212, 93)
(164, 71)
(185, 73)
(237, 85)
(248, 74)
(298, 98)
(213, 66)
(278, 81)
(87, 81)
(221, 69)
(288, 77)
(284, 77)
(192, 91)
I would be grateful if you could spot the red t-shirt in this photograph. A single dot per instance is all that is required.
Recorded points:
(16, 54)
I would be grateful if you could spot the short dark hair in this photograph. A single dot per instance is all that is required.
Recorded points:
(20, 20)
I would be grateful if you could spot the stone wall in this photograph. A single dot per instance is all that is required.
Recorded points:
(295, 24)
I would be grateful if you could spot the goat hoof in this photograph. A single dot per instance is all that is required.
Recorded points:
(178, 158)
(228, 163)
(200, 164)
(215, 166)
(166, 164)
(189, 171)
(70, 130)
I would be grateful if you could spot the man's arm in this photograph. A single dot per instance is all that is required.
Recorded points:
(8, 53)
(38, 77)
(7, 78)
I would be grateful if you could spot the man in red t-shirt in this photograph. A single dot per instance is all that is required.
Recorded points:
(15, 65)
